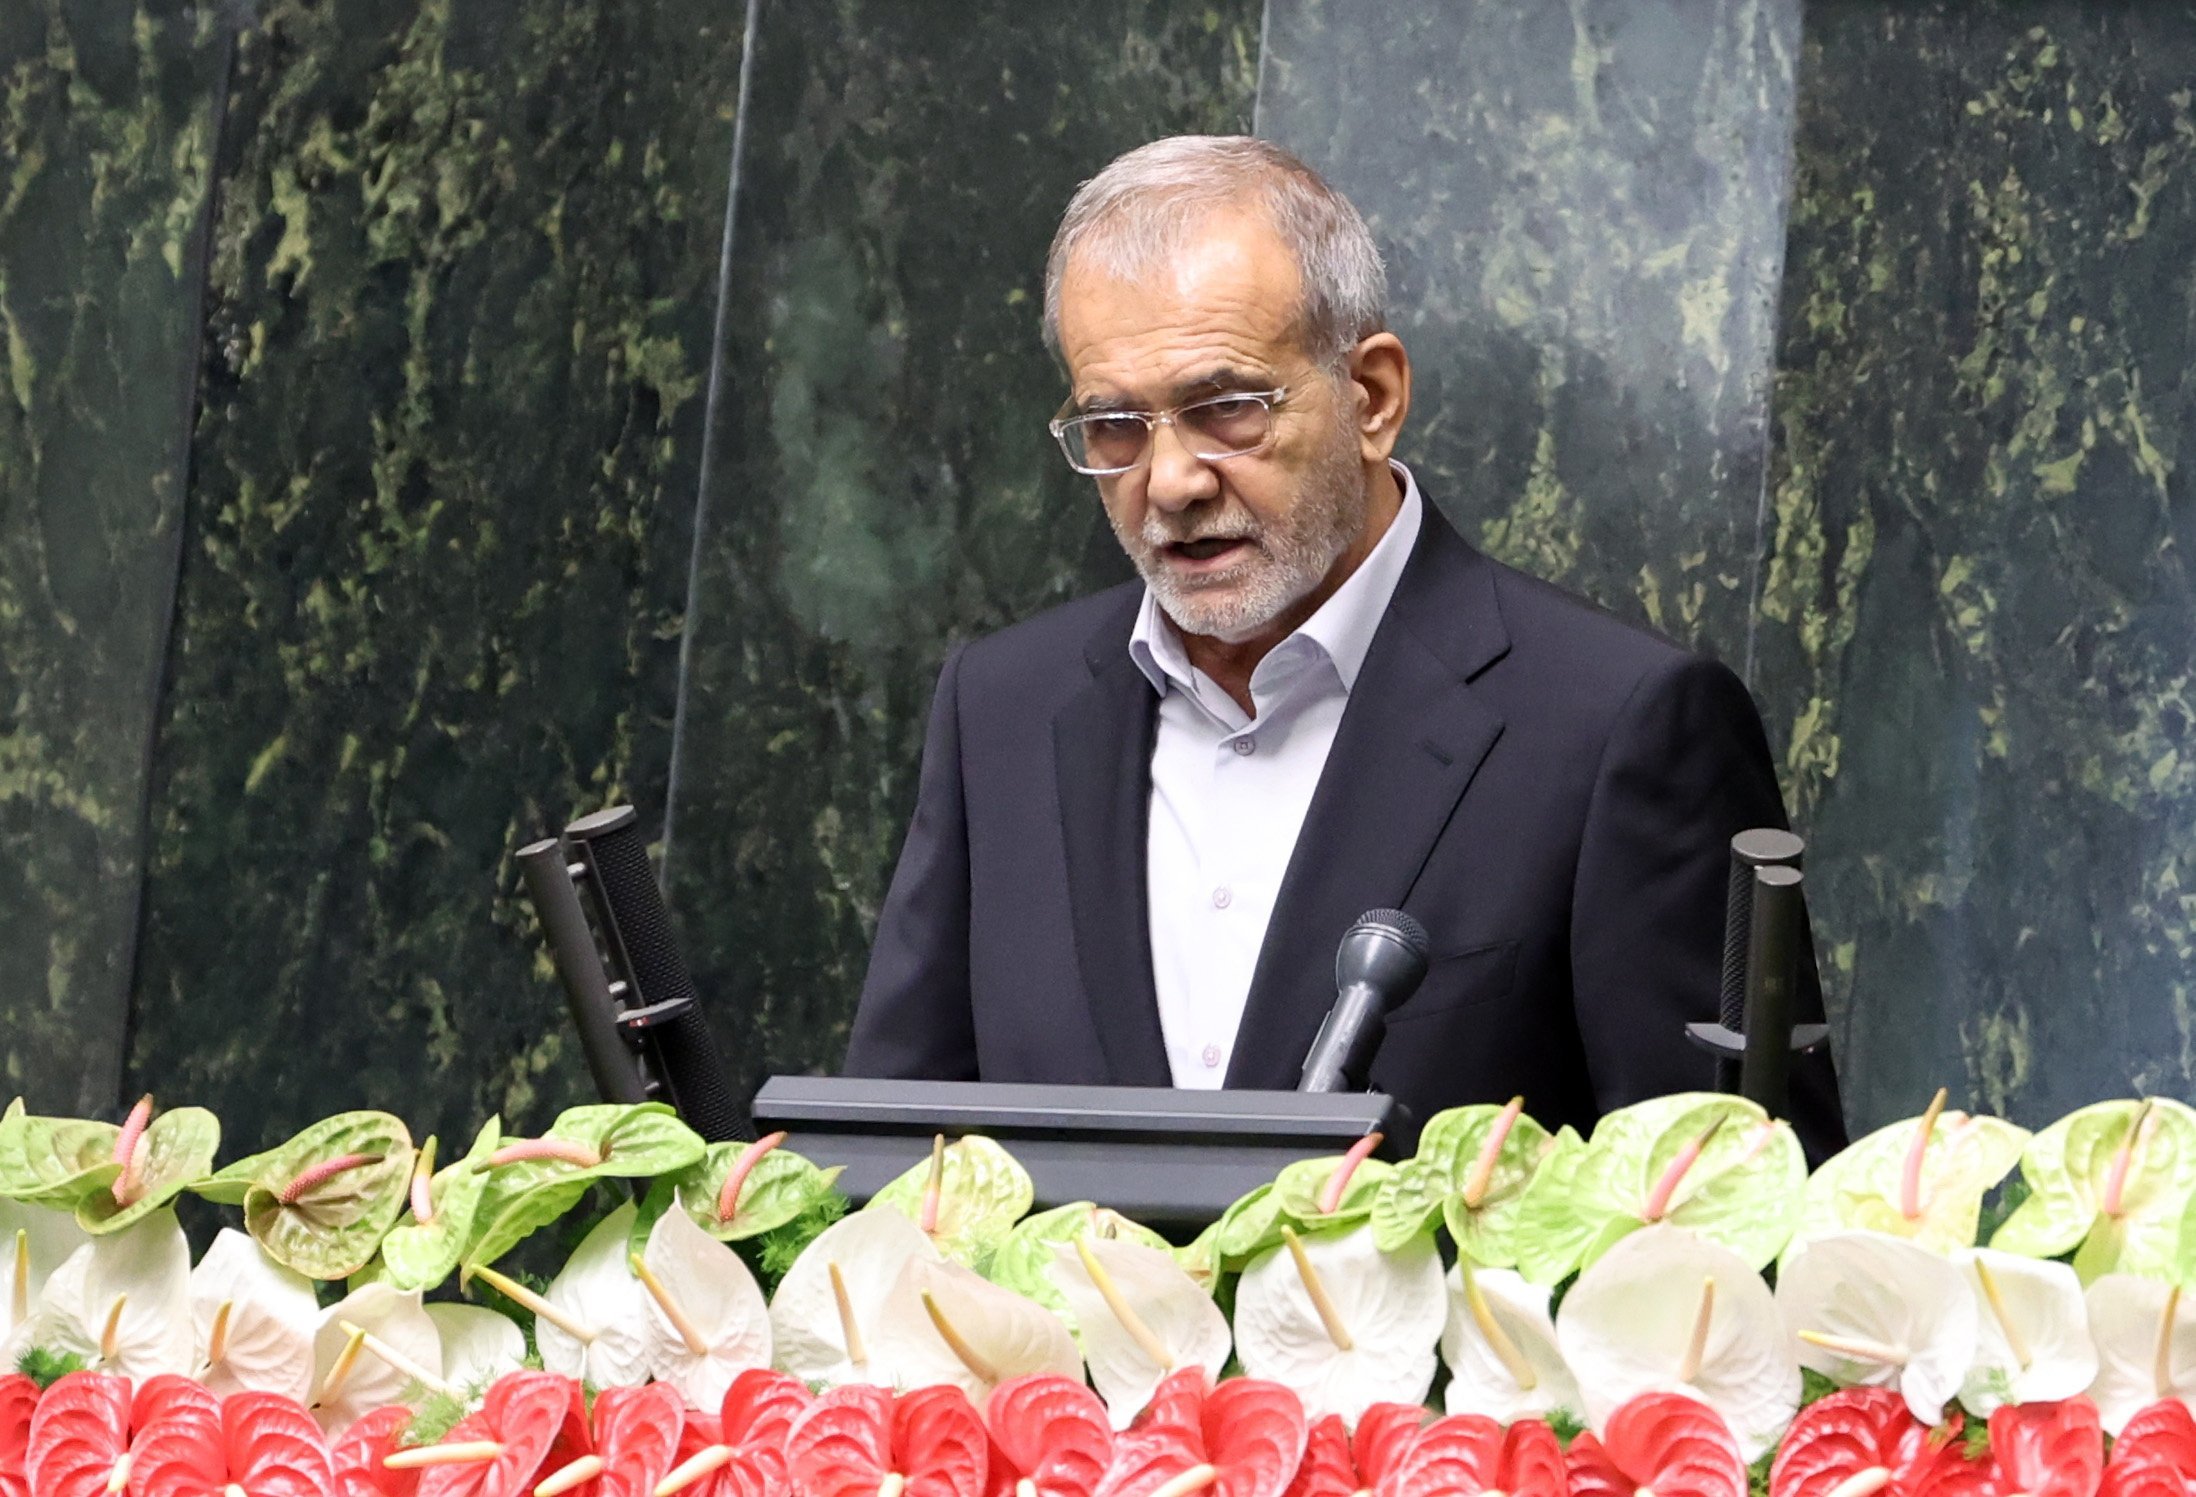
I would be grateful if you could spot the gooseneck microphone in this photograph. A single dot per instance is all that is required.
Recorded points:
(1381, 962)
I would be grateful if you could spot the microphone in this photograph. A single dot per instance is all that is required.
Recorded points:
(1381, 962)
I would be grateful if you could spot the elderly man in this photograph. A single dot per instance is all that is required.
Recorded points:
(1146, 818)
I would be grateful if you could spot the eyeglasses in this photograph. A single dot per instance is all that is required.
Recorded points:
(1108, 442)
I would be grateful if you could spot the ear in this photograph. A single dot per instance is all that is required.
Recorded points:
(1381, 371)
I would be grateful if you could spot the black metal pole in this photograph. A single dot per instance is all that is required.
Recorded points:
(1761, 847)
(1772, 973)
(587, 994)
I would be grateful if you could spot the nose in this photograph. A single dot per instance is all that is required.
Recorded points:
(1177, 478)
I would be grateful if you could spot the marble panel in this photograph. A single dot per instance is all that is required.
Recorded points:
(444, 471)
(885, 483)
(1976, 625)
(107, 118)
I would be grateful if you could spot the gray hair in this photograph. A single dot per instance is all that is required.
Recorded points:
(1137, 213)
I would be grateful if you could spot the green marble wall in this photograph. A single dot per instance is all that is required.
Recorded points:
(1976, 623)
(443, 471)
(106, 126)
(886, 484)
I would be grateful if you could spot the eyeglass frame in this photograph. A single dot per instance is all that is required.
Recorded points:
(1153, 420)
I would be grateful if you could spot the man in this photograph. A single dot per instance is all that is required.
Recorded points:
(1146, 818)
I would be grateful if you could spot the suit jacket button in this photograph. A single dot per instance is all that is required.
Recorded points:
(1212, 1056)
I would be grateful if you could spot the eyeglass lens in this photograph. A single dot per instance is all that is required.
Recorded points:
(1226, 426)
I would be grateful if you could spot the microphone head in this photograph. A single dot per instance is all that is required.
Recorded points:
(1385, 949)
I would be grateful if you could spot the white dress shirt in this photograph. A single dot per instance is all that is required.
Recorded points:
(1229, 792)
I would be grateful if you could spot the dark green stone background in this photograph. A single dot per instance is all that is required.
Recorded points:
(383, 479)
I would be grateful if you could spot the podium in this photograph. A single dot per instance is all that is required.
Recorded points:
(1173, 1160)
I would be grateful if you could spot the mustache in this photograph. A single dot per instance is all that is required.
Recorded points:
(1157, 532)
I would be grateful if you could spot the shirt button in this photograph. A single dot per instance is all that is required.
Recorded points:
(1211, 1056)
(1221, 898)
(1246, 745)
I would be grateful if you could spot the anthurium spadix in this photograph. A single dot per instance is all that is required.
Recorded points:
(706, 1317)
(254, 1319)
(824, 1316)
(322, 1202)
(1471, 1170)
(2145, 1334)
(2111, 1184)
(374, 1347)
(943, 1323)
(1923, 1178)
(2033, 1343)
(1872, 1310)
(1139, 1316)
(1340, 1322)
(1500, 1347)
(965, 1197)
(121, 1302)
(592, 1322)
(1715, 1165)
(34, 1241)
(1667, 1311)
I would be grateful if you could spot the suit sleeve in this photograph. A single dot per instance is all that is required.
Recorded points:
(1685, 769)
(914, 1019)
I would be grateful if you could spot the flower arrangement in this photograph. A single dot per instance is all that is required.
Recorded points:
(1673, 1305)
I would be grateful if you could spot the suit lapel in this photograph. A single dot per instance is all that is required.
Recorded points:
(1102, 741)
(1409, 742)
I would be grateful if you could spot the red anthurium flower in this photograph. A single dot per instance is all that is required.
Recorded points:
(1048, 1433)
(1665, 1441)
(742, 1452)
(1248, 1441)
(167, 1394)
(530, 1425)
(1470, 1453)
(854, 1440)
(79, 1434)
(1837, 1442)
(249, 1445)
(1178, 1401)
(1336, 1465)
(2143, 1476)
(2048, 1449)
(634, 1440)
(18, 1401)
(2163, 1432)
(356, 1458)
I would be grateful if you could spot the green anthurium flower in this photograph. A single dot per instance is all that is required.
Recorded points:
(2112, 1184)
(176, 1149)
(979, 1192)
(56, 1162)
(1307, 1190)
(1024, 1260)
(1471, 1170)
(423, 1250)
(229, 1185)
(322, 1202)
(1923, 1179)
(533, 1182)
(768, 1186)
(1550, 1236)
(1249, 1227)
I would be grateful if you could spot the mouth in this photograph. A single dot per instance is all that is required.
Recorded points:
(1207, 554)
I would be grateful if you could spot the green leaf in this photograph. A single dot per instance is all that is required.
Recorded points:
(2068, 1168)
(985, 1192)
(781, 1187)
(1551, 1236)
(514, 1207)
(1859, 1188)
(1024, 1260)
(180, 1146)
(229, 1185)
(421, 1256)
(1250, 1226)
(1301, 1184)
(56, 1162)
(333, 1229)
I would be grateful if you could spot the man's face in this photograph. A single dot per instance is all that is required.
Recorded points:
(1228, 546)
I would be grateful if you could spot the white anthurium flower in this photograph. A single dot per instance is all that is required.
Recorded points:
(1500, 1345)
(254, 1320)
(479, 1345)
(592, 1322)
(707, 1319)
(33, 1243)
(1140, 1316)
(372, 1348)
(824, 1316)
(122, 1302)
(2032, 1343)
(2145, 1335)
(1868, 1309)
(1341, 1323)
(943, 1323)
(1665, 1311)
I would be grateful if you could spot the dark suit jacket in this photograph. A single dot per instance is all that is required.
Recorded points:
(1550, 791)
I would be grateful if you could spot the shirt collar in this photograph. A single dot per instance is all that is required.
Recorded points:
(1342, 629)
